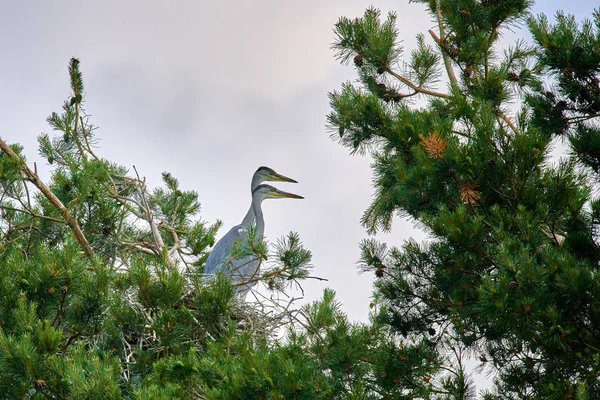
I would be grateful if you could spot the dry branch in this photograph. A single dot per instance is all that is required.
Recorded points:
(35, 179)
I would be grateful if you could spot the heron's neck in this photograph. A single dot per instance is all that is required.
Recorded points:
(258, 215)
(256, 180)
(249, 218)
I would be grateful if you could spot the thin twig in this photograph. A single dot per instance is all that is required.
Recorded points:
(29, 212)
(61, 308)
(87, 143)
(506, 119)
(160, 244)
(31, 223)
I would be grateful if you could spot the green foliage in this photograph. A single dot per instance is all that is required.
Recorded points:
(376, 42)
(424, 63)
(511, 266)
(570, 53)
(102, 295)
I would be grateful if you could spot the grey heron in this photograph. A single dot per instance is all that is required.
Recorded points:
(245, 269)
(261, 175)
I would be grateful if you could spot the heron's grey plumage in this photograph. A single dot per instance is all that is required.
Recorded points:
(247, 268)
(221, 250)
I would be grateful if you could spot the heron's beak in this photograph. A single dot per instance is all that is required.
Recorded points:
(280, 178)
(282, 194)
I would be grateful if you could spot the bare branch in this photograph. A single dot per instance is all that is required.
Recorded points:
(142, 249)
(416, 88)
(35, 179)
(160, 244)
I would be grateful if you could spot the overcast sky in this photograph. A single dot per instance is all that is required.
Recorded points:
(209, 91)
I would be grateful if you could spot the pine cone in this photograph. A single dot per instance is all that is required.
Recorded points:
(567, 73)
(492, 163)
(468, 71)
(358, 60)
(512, 76)
(396, 97)
(595, 82)
(450, 172)
(465, 14)
(386, 98)
(453, 51)
(379, 272)
(469, 194)
(514, 285)
(64, 289)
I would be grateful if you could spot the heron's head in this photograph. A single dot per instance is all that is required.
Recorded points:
(268, 174)
(269, 192)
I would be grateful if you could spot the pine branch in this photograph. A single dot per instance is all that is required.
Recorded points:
(487, 51)
(140, 248)
(35, 179)
(582, 118)
(61, 307)
(33, 214)
(87, 142)
(158, 240)
(506, 119)
(416, 88)
(440, 41)
(76, 136)
(451, 74)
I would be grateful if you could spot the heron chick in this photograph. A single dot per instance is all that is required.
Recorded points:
(242, 272)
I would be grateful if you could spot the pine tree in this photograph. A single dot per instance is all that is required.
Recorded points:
(511, 269)
(102, 294)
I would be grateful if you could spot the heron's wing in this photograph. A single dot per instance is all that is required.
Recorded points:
(220, 252)
(247, 277)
